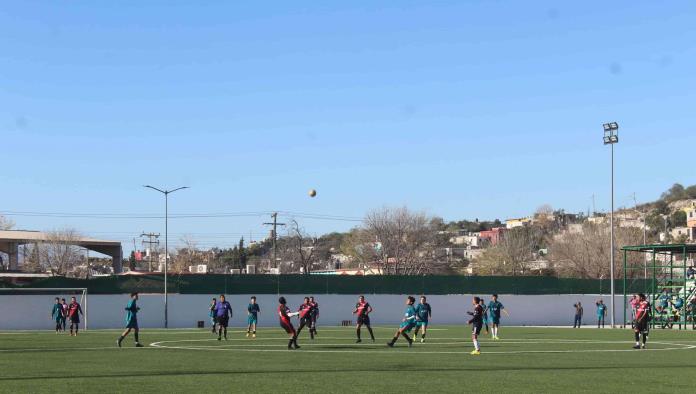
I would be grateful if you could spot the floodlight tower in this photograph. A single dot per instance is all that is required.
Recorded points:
(611, 137)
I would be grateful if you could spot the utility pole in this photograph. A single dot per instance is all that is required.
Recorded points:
(274, 233)
(149, 243)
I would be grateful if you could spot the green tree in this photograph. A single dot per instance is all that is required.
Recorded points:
(676, 192)
(691, 191)
(678, 219)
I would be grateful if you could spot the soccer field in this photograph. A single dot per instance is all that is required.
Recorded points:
(525, 360)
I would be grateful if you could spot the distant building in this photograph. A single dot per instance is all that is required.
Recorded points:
(518, 222)
(690, 216)
(680, 232)
(493, 236)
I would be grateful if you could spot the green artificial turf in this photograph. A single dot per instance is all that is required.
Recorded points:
(525, 360)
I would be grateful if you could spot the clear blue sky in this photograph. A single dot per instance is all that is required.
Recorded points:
(465, 109)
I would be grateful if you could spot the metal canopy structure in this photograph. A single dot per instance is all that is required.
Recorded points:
(12, 239)
(666, 281)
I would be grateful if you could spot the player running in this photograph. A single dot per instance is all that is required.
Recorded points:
(476, 324)
(314, 315)
(423, 315)
(363, 310)
(131, 321)
(494, 309)
(284, 315)
(305, 312)
(211, 314)
(253, 311)
(641, 325)
(57, 314)
(408, 323)
(74, 312)
(223, 313)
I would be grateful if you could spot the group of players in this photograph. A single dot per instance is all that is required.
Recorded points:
(415, 317)
(62, 312)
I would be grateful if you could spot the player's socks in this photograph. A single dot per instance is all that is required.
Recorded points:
(290, 343)
(477, 347)
(357, 332)
(410, 341)
(295, 341)
(371, 334)
(120, 339)
(136, 334)
(225, 333)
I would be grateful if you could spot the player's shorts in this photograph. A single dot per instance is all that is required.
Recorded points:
(495, 320)
(422, 324)
(641, 326)
(476, 329)
(287, 326)
(364, 320)
(75, 319)
(133, 323)
(407, 326)
(306, 321)
(223, 321)
(252, 319)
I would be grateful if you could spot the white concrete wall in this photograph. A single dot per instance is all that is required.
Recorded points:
(107, 311)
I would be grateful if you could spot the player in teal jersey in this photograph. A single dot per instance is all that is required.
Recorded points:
(211, 314)
(495, 307)
(253, 311)
(423, 315)
(407, 324)
(485, 315)
(57, 314)
(131, 321)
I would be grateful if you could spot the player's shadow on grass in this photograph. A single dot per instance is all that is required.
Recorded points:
(397, 369)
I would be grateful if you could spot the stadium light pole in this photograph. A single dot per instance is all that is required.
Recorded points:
(166, 244)
(611, 137)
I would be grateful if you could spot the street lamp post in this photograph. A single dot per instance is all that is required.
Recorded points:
(611, 137)
(166, 244)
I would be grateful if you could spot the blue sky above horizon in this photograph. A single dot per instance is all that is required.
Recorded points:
(477, 109)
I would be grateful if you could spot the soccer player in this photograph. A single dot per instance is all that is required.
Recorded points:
(407, 324)
(641, 326)
(579, 311)
(64, 317)
(363, 310)
(211, 313)
(423, 314)
(601, 313)
(305, 312)
(223, 313)
(253, 310)
(57, 314)
(476, 322)
(485, 315)
(131, 321)
(494, 309)
(314, 314)
(284, 315)
(74, 312)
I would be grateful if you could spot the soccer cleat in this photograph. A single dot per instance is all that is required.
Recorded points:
(358, 341)
(219, 338)
(422, 340)
(297, 346)
(247, 335)
(410, 343)
(137, 344)
(637, 347)
(390, 344)
(118, 342)
(253, 336)
(476, 353)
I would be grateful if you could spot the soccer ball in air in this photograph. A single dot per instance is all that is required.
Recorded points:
(312, 193)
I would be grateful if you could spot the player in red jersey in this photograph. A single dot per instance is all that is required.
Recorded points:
(305, 312)
(363, 310)
(74, 312)
(285, 315)
(642, 322)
